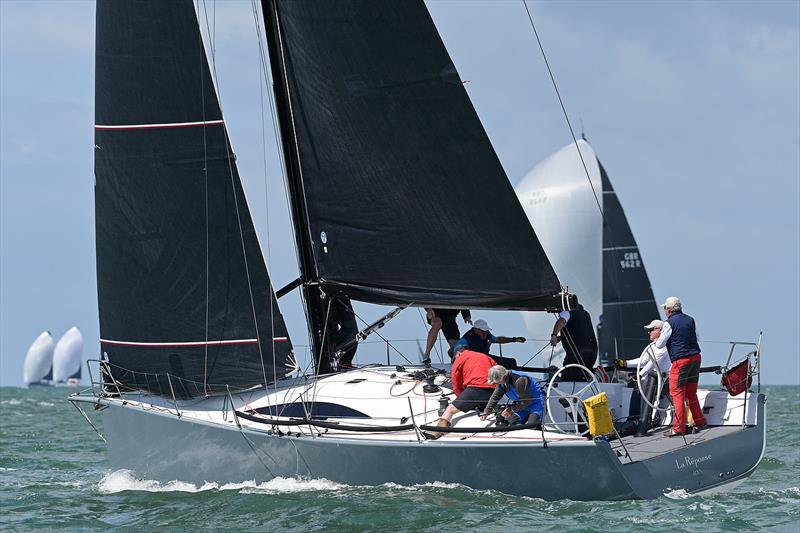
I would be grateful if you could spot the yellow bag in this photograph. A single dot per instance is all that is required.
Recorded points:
(598, 415)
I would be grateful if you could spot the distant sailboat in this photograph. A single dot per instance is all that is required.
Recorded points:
(67, 357)
(38, 368)
(597, 259)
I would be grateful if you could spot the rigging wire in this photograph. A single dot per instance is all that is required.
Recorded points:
(232, 176)
(279, 145)
(205, 181)
(574, 140)
(376, 332)
(272, 302)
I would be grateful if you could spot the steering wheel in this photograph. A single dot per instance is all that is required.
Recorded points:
(573, 399)
(660, 379)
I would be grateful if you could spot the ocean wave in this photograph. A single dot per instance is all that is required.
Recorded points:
(677, 494)
(12, 401)
(124, 480)
(429, 484)
(286, 485)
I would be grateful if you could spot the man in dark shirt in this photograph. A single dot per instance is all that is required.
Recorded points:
(480, 338)
(443, 320)
(578, 340)
(679, 335)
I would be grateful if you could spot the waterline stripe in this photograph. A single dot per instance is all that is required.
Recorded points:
(169, 125)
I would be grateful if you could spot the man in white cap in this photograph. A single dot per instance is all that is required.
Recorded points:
(651, 356)
(480, 338)
(651, 361)
(679, 336)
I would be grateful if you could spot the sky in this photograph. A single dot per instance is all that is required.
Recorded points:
(692, 107)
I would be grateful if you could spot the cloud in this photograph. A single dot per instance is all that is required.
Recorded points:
(39, 28)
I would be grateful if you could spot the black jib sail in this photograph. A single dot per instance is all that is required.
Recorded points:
(183, 288)
(398, 197)
(628, 301)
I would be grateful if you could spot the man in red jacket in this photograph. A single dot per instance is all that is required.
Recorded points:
(469, 374)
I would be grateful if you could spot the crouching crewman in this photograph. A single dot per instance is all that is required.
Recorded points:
(522, 390)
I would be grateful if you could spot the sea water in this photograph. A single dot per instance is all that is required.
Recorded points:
(54, 475)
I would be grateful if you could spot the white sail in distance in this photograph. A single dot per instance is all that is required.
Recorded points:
(67, 355)
(39, 359)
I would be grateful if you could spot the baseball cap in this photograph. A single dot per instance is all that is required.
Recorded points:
(672, 302)
(654, 324)
(481, 324)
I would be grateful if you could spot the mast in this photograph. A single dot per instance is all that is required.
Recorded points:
(312, 296)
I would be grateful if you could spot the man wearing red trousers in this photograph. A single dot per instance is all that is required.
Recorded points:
(679, 335)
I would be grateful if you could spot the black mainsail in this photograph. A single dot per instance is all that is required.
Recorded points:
(398, 197)
(182, 285)
(628, 300)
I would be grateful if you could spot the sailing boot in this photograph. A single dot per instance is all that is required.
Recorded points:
(435, 435)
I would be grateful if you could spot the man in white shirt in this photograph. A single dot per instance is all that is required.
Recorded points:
(652, 358)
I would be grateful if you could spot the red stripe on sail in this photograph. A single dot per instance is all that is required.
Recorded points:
(188, 343)
(178, 344)
(128, 127)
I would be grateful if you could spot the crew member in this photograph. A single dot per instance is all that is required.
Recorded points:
(578, 340)
(652, 360)
(679, 335)
(480, 338)
(443, 320)
(522, 390)
(468, 375)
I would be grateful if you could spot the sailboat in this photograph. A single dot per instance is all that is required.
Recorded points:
(387, 167)
(591, 247)
(67, 357)
(38, 366)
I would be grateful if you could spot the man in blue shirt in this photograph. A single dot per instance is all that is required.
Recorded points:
(480, 338)
(679, 335)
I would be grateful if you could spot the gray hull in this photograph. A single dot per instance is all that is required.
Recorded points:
(164, 447)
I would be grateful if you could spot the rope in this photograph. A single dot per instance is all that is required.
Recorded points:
(534, 355)
(575, 141)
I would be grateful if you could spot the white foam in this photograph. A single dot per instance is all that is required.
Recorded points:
(677, 494)
(12, 401)
(124, 480)
(289, 485)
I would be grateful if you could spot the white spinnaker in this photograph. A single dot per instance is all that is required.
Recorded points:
(562, 210)
(39, 359)
(67, 355)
